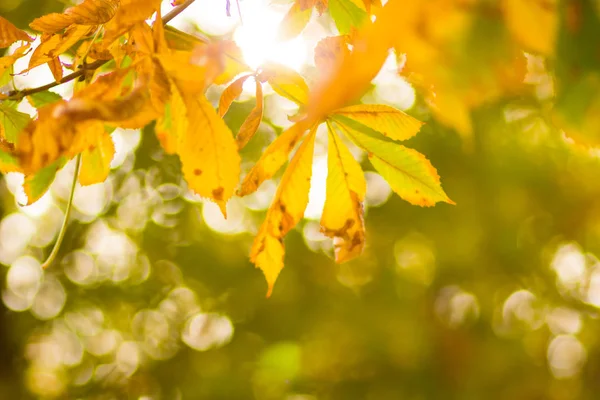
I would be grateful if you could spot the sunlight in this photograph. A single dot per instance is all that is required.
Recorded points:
(257, 37)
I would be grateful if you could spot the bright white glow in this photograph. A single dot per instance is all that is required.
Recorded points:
(566, 356)
(318, 189)
(391, 87)
(236, 217)
(257, 37)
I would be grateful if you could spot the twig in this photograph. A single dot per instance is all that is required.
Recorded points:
(19, 95)
(176, 11)
(63, 228)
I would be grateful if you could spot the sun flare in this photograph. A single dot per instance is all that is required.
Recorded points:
(258, 39)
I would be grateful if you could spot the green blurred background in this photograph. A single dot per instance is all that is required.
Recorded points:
(153, 296)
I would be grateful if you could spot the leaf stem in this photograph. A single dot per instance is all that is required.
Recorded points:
(176, 11)
(63, 228)
(19, 95)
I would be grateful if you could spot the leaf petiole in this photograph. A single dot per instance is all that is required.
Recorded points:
(63, 228)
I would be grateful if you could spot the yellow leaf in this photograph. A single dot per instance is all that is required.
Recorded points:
(231, 93)
(208, 153)
(272, 159)
(95, 160)
(10, 34)
(159, 86)
(129, 13)
(158, 33)
(342, 216)
(51, 23)
(233, 64)
(107, 86)
(141, 36)
(43, 141)
(320, 5)
(330, 53)
(173, 125)
(90, 12)
(42, 53)
(284, 213)
(189, 77)
(56, 68)
(117, 52)
(50, 137)
(286, 82)
(55, 45)
(534, 23)
(81, 108)
(452, 111)
(7, 61)
(355, 72)
(407, 171)
(252, 122)
(386, 120)
(369, 4)
(294, 22)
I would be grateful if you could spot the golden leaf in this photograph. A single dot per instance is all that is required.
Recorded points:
(233, 64)
(272, 159)
(81, 108)
(8, 61)
(42, 53)
(141, 36)
(158, 33)
(252, 122)
(353, 76)
(208, 153)
(56, 68)
(10, 34)
(173, 125)
(90, 12)
(342, 216)
(159, 86)
(225, 55)
(533, 22)
(55, 45)
(286, 82)
(50, 137)
(188, 77)
(330, 53)
(129, 13)
(96, 159)
(231, 93)
(284, 213)
(320, 5)
(61, 127)
(386, 120)
(294, 22)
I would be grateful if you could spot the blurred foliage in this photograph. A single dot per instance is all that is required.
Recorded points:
(496, 297)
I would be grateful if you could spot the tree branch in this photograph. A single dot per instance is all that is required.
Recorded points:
(20, 94)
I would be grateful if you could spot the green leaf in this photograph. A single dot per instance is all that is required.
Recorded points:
(12, 122)
(6, 76)
(358, 127)
(37, 184)
(346, 15)
(407, 171)
(386, 120)
(8, 163)
(38, 100)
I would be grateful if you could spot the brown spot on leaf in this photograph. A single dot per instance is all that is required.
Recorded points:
(218, 193)
(198, 172)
